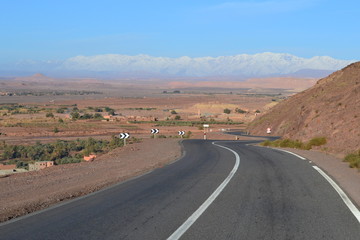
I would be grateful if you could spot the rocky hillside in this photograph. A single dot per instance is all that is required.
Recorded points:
(330, 109)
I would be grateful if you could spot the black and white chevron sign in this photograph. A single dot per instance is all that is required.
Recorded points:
(154, 131)
(124, 135)
(181, 133)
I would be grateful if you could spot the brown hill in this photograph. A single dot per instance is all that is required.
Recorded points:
(37, 77)
(331, 109)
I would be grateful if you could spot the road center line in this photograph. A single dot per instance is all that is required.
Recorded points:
(342, 194)
(192, 219)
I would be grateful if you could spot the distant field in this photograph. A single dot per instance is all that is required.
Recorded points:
(32, 110)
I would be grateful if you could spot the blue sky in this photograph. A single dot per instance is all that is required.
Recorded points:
(59, 29)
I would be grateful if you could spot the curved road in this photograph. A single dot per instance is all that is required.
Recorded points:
(271, 195)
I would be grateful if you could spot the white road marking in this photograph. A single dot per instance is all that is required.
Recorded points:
(290, 153)
(343, 195)
(192, 219)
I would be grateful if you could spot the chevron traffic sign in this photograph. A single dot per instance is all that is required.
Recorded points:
(154, 131)
(124, 135)
(181, 133)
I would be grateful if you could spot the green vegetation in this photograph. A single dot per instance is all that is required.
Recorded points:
(239, 110)
(49, 115)
(109, 110)
(177, 117)
(75, 115)
(60, 151)
(185, 123)
(141, 109)
(288, 143)
(353, 159)
(188, 134)
(167, 92)
(173, 112)
(14, 108)
(227, 111)
(317, 141)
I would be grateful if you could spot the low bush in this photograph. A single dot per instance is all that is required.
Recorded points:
(227, 111)
(353, 159)
(49, 115)
(288, 143)
(67, 160)
(317, 141)
(186, 123)
(188, 134)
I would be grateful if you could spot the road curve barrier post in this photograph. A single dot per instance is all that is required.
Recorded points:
(154, 131)
(181, 133)
(124, 136)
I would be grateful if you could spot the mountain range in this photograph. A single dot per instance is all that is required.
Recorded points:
(243, 66)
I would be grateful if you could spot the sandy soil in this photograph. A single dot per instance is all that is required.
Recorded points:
(28, 192)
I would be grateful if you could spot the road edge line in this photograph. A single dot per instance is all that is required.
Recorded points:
(192, 219)
(297, 155)
(342, 194)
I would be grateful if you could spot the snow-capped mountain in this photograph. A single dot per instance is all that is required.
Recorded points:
(262, 64)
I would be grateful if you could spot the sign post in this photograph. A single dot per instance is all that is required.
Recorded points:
(154, 131)
(181, 133)
(206, 129)
(124, 136)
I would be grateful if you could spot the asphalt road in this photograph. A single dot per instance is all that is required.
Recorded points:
(272, 195)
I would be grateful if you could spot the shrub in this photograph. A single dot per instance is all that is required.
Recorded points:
(188, 134)
(317, 141)
(67, 160)
(56, 130)
(60, 110)
(173, 112)
(49, 115)
(227, 111)
(177, 117)
(98, 116)
(75, 115)
(266, 143)
(353, 159)
(87, 116)
(239, 110)
(286, 143)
